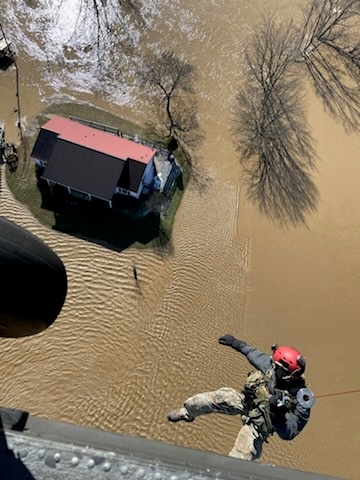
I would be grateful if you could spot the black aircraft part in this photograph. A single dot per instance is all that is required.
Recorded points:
(33, 282)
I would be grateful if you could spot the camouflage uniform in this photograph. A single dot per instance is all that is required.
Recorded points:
(260, 417)
(228, 401)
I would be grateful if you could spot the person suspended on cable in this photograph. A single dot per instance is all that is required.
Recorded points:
(270, 402)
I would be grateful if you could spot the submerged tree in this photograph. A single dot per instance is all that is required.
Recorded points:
(170, 82)
(330, 47)
(270, 127)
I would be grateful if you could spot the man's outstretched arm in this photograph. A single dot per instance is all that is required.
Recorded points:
(260, 360)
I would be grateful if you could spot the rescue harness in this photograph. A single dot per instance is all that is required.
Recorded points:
(257, 406)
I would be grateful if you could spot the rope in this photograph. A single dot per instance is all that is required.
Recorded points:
(337, 393)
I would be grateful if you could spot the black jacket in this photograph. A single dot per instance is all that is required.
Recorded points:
(287, 422)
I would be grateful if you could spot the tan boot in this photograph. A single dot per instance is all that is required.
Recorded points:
(178, 415)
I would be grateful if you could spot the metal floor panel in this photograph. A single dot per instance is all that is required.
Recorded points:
(49, 450)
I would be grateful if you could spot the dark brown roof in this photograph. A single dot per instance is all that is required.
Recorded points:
(82, 169)
(131, 175)
(44, 145)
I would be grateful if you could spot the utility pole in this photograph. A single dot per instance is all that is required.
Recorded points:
(18, 99)
(13, 58)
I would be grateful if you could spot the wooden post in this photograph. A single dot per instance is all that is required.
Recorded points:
(18, 99)
(16, 83)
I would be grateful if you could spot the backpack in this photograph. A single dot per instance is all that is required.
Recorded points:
(256, 387)
(257, 396)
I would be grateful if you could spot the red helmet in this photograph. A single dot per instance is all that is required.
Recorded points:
(289, 359)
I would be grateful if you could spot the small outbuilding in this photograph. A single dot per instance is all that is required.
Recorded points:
(6, 49)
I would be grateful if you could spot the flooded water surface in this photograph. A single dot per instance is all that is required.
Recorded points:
(120, 355)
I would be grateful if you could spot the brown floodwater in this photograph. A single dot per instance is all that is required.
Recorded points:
(119, 357)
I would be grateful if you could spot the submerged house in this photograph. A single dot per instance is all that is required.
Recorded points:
(93, 164)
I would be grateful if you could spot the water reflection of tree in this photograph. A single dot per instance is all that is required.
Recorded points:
(110, 23)
(269, 118)
(270, 127)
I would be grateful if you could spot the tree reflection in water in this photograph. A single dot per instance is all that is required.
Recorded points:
(270, 128)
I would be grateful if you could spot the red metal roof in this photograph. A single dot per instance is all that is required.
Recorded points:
(98, 140)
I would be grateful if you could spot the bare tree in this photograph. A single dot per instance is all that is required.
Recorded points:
(270, 127)
(170, 80)
(330, 47)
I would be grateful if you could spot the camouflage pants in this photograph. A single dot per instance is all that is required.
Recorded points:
(228, 401)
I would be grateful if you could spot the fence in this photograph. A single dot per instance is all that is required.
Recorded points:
(119, 133)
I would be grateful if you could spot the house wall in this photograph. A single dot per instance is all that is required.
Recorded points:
(39, 163)
(82, 195)
(148, 177)
(149, 174)
(123, 191)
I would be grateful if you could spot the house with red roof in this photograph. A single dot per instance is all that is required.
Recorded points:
(92, 163)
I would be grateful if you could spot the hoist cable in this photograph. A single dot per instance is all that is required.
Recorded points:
(337, 393)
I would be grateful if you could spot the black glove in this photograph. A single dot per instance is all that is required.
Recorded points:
(227, 340)
(274, 399)
(281, 399)
(230, 341)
